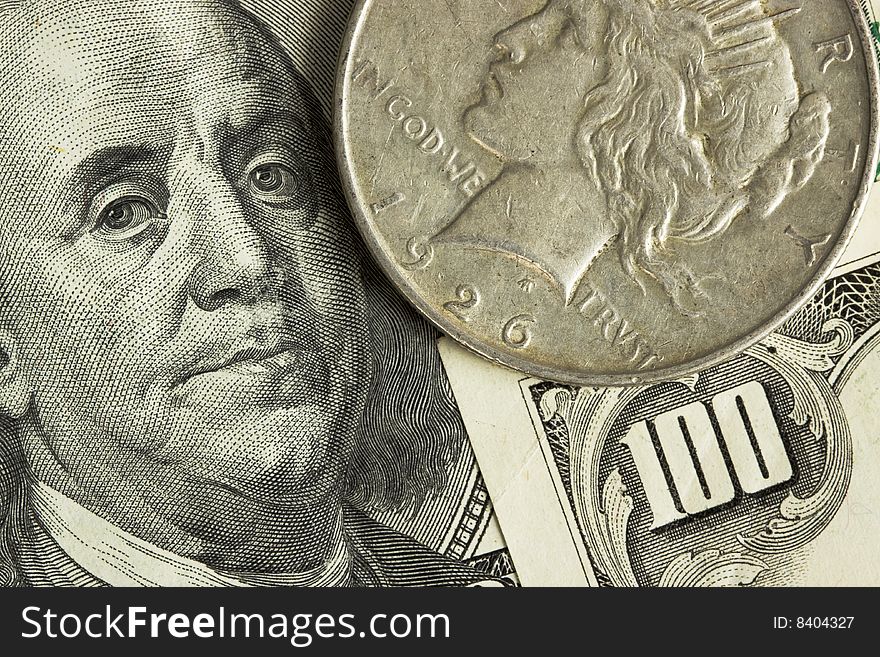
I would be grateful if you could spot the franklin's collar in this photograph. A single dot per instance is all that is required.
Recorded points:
(118, 558)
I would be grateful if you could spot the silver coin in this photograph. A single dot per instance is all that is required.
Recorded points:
(608, 192)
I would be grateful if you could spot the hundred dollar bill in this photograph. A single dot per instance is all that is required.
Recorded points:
(759, 471)
(203, 381)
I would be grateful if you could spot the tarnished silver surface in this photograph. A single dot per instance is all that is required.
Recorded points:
(607, 191)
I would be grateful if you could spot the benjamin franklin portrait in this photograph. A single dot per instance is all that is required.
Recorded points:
(627, 127)
(203, 381)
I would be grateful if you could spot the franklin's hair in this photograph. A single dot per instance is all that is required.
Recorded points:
(411, 431)
(698, 121)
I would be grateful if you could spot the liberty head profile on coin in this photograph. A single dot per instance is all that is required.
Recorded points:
(672, 142)
(655, 184)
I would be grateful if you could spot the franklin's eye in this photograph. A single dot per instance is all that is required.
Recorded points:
(275, 181)
(127, 217)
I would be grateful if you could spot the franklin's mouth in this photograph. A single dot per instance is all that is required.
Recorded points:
(256, 360)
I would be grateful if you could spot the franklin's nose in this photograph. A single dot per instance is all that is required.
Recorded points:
(234, 264)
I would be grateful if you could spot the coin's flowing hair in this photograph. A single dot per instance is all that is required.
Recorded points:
(698, 123)
(411, 431)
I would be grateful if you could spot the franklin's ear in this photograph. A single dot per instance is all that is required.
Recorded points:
(14, 390)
